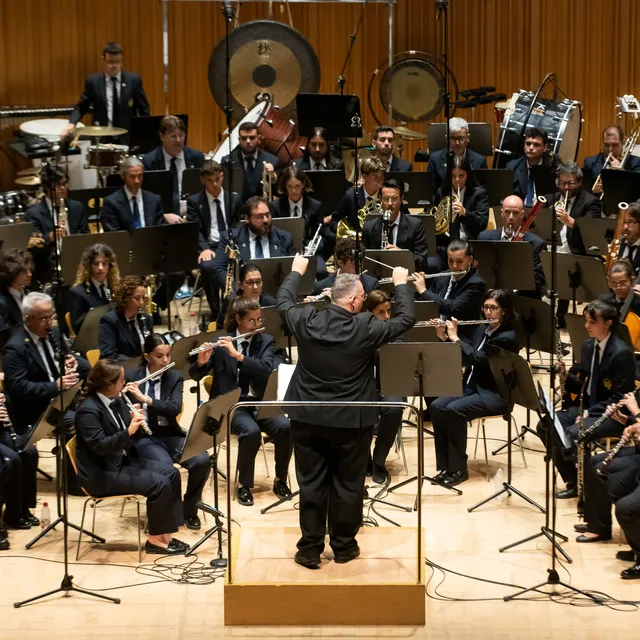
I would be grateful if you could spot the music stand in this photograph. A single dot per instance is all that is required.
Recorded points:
(393, 258)
(329, 187)
(275, 270)
(543, 178)
(88, 199)
(480, 136)
(544, 223)
(340, 114)
(143, 132)
(180, 350)
(89, 331)
(73, 247)
(505, 265)
(191, 183)
(275, 326)
(16, 236)
(497, 182)
(158, 182)
(595, 234)
(429, 226)
(295, 226)
(418, 186)
(618, 186)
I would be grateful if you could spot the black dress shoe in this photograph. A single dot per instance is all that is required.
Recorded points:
(581, 527)
(627, 555)
(31, 519)
(633, 573)
(162, 551)
(379, 474)
(281, 489)
(178, 544)
(244, 497)
(4, 544)
(308, 560)
(193, 523)
(21, 523)
(599, 538)
(346, 556)
(570, 492)
(457, 477)
(441, 476)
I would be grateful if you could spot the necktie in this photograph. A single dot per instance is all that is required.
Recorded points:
(251, 163)
(319, 166)
(49, 358)
(446, 295)
(176, 187)
(530, 192)
(259, 252)
(632, 253)
(295, 211)
(219, 217)
(595, 374)
(103, 294)
(116, 107)
(152, 418)
(136, 212)
(116, 414)
(134, 331)
(243, 379)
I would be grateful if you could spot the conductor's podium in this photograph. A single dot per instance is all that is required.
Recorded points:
(381, 587)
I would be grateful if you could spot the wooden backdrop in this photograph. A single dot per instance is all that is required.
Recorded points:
(47, 47)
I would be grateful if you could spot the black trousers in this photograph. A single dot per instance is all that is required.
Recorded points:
(565, 462)
(210, 283)
(245, 426)
(10, 484)
(165, 449)
(331, 465)
(624, 489)
(22, 495)
(449, 417)
(388, 427)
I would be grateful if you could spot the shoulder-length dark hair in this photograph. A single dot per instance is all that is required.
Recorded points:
(293, 172)
(504, 300)
(104, 373)
(12, 263)
(464, 164)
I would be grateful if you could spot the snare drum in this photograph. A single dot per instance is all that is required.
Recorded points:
(102, 156)
(13, 206)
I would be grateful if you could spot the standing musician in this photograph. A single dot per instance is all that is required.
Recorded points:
(384, 144)
(247, 365)
(512, 214)
(256, 239)
(251, 160)
(109, 462)
(620, 280)
(161, 400)
(123, 331)
(16, 268)
(630, 246)
(209, 209)
(403, 230)
(317, 154)
(97, 278)
(336, 352)
(480, 398)
(459, 143)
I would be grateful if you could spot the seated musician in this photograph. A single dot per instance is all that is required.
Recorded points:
(459, 144)
(248, 365)
(161, 401)
(256, 239)
(620, 280)
(384, 145)
(124, 330)
(317, 154)
(403, 230)
(209, 209)
(96, 280)
(608, 366)
(109, 463)
(449, 416)
(16, 267)
(512, 214)
(630, 244)
(250, 286)
(173, 155)
(612, 145)
(251, 160)
(344, 261)
(43, 214)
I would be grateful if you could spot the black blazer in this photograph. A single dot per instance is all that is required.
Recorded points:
(465, 297)
(369, 283)
(348, 208)
(10, 312)
(26, 381)
(593, 166)
(154, 160)
(333, 163)
(81, 299)
(42, 220)
(132, 101)
(398, 164)
(116, 339)
(476, 203)
(336, 353)
(636, 258)
(618, 304)
(617, 374)
(198, 211)
(538, 247)
(437, 165)
(116, 212)
(253, 180)
(410, 236)
(521, 175)
(311, 212)
(265, 300)
(227, 371)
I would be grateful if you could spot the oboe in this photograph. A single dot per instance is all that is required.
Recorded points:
(129, 404)
(598, 423)
(601, 469)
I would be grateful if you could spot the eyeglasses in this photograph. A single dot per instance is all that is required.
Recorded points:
(390, 200)
(619, 285)
(459, 138)
(630, 222)
(253, 283)
(490, 307)
(567, 183)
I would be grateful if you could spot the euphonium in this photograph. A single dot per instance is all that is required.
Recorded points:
(345, 230)
(441, 213)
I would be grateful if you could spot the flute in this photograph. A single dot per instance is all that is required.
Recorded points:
(438, 322)
(155, 374)
(206, 346)
(427, 276)
(144, 426)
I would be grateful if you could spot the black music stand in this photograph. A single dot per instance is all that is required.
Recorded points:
(181, 348)
(422, 310)
(275, 270)
(596, 233)
(275, 326)
(295, 226)
(393, 258)
(544, 223)
(497, 182)
(329, 187)
(158, 182)
(515, 384)
(143, 132)
(88, 198)
(544, 179)
(16, 236)
(340, 114)
(505, 265)
(418, 186)
(89, 331)
(618, 186)
(423, 370)
(191, 183)
(429, 226)
(73, 246)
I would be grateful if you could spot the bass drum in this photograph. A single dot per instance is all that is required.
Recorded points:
(561, 120)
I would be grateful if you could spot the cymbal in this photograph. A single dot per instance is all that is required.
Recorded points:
(409, 134)
(31, 171)
(98, 132)
(28, 181)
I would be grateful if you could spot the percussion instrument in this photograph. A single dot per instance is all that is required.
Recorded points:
(12, 116)
(409, 134)
(99, 132)
(28, 181)
(108, 155)
(48, 128)
(13, 205)
(499, 109)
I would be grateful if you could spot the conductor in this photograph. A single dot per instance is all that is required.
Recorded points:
(336, 352)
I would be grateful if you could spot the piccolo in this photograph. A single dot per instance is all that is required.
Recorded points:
(601, 469)
(206, 346)
(427, 276)
(438, 322)
(144, 426)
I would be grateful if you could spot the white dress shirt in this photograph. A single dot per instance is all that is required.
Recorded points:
(109, 91)
(564, 232)
(53, 375)
(292, 208)
(264, 241)
(181, 165)
(138, 197)
(97, 284)
(214, 232)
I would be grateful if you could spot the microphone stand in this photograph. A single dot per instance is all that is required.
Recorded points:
(229, 13)
(352, 40)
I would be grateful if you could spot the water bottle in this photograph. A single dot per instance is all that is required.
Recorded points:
(498, 479)
(45, 516)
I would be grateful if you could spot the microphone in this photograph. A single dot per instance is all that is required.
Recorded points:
(227, 9)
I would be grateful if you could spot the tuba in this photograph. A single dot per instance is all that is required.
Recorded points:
(441, 213)
(345, 230)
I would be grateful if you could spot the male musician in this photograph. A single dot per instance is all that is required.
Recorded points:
(256, 239)
(173, 155)
(384, 144)
(630, 246)
(317, 154)
(612, 145)
(344, 260)
(336, 350)
(16, 267)
(251, 160)
(459, 143)
(512, 214)
(535, 154)
(209, 209)
(101, 88)
(403, 230)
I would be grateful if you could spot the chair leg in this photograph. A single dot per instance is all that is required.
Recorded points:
(84, 513)
(486, 454)
(138, 528)
(122, 507)
(93, 523)
(264, 454)
(235, 484)
(475, 448)
(400, 444)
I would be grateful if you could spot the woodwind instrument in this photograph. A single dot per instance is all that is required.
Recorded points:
(63, 215)
(204, 347)
(9, 425)
(155, 374)
(437, 322)
(144, 426)
(320, 296)
(618, 238)
(586, 434)
(528, 221)
(601, 469)
(233, 269)
(386, 218)
(266, 184)
(427, 276)
(580, 452)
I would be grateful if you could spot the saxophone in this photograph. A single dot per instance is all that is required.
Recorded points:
(233, 267)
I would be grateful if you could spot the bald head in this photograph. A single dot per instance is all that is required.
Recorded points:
(512, 214)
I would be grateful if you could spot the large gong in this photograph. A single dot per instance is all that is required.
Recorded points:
(268, 59)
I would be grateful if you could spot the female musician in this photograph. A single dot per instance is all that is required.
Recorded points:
(97, 278)
(621, 277)
(161, 399)
(16, 269)
(109, 463)
(247, 364)
(480, 398)
(250, 286)
(124, 330)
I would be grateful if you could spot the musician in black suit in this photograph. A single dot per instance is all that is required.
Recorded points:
(384, 145)
(256, 239)
(161, 400)
(173, 155)
(403, 230)
(97, 278)
(123, 331)
(480, 398)
(336, 352)
(630, 246)
(459, 143)
(620, 280)
(109, 463)
(512, 214)
(251, 160)
(317, 154)
(99, 93)
(248, 365)
(16, 268)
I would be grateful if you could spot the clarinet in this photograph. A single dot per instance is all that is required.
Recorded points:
(581, 452)
(598, 423)
(601, 469)
(9, 426)
(144, 332)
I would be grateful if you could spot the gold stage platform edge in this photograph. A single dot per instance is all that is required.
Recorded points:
(378, 588)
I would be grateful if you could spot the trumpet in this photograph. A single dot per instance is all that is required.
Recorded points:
(144, 426)
(206, 346)
(312, 247)
(437, 322)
